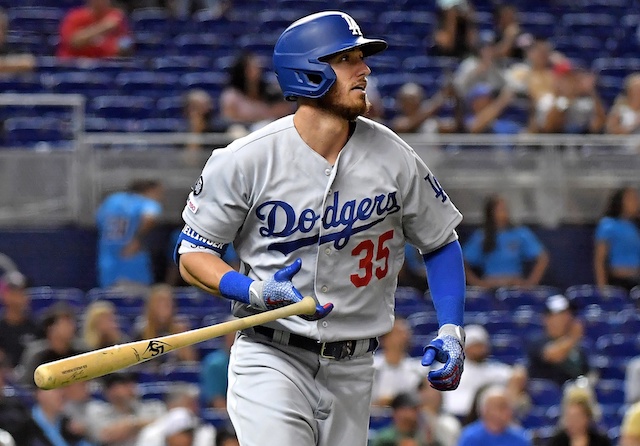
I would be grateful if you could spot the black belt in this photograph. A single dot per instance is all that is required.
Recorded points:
(331, 350)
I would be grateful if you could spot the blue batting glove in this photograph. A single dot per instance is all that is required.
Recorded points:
(447, 348)
(279, 291)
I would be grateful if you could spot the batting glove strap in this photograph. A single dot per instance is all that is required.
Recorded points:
(277, 291)
(446, 348)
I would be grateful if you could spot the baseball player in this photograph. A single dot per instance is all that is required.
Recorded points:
(320, 203)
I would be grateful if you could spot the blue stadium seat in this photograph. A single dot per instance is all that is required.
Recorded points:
(615, 66)
(618, 345)
(27, 42)
(423, 322)
(635, 294)
(185, 372)
(155, 390)
(610, 391)
(587, 23)
(118, 106)
(260, 44)
(507, 348)
(43, 297)
(153, 44)
(21, 83)
(414, 23)
(151, 20)
(147, 83)
(127, 304)
(21, 132)
(45, 20)
(204, 44)
(611, 298)
(514, 297)
(239, 26)
(544, 392)
(409, 300)
(208, 80)
(82, 82)
(163, 125)
(182, 64)
(170, 106)
(217, 417)
(538, 24)
(608, 367)
(479, 299)
(626, 322)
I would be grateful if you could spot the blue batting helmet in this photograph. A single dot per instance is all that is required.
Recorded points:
(298, 57)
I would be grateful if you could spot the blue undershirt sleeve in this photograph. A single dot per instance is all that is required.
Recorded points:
(445, 274)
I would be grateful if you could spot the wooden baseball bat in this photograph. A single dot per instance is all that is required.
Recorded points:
(106, 360)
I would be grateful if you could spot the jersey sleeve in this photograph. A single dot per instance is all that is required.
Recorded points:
(219, 202)
(151, 208)
(531, 246)
(604, 230)
(429, 216)
(472, 250)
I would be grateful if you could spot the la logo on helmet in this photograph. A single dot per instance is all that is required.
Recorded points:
(353, 26)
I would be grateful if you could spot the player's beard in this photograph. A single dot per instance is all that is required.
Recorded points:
(334, 103)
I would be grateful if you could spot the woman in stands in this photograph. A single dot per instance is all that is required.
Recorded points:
(496, 255)
(624, 118)
(616, 258)
(101, 327)
(160, 319)
(578, 420)
(248, 99)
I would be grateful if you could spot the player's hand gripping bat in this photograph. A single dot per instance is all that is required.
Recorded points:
(100, 362)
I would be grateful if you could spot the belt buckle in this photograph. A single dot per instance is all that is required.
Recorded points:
(346, 350)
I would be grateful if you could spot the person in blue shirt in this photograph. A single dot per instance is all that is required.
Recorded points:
(495, 426)
(123, 220)
(616, 257)
(496, 254)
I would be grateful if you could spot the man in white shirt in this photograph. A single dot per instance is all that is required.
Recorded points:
(480, 371)
(395, 371)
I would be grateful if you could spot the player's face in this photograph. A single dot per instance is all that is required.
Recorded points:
(347, 97)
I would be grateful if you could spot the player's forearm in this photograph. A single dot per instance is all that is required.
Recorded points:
(445, 273)
(203, 270)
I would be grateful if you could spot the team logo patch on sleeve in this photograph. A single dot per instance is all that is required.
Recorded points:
(197, 186)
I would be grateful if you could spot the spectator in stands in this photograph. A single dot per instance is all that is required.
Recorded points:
(249, 99)
(495, 426)
(500, 250)
(445, 427)
(10, 60)
(540, 79)
(6, 264)
(483, 67)
(480, 371)
(574, 106)
(456, 33)
(117, 421)
(632, 381)
(226, 437)
(180, 425)
(616, 257)
(578, 420)
(17, 329)
(77, 397)
(395, 371)
(558, 354)
(199, 114)
(415, 115)
(160, 319)
(14, 414)
(96, 30)
(407, 427)
(49, 425)
(624, 116)
(630, 429)
(101, 327)
(58, 327)
(214, 372)
(485, 109)
(124, 220)
(512, 42)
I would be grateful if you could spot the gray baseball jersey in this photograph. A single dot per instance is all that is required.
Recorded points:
(277, 200)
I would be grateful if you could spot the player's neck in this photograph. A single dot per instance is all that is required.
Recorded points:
(323, 132)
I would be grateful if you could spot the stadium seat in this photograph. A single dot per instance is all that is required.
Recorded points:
(82, 82)
(242, 24)
(45, 20)
(544, 392)
(514, 297)
(182, 64)
(127, 304)
(611, 298)
(27, 132)
(163, 125)
(21, 83)
(119, 106)
(610, 391)
(423, 322)
(151, 20)
(608, 367)
(217, 417)
(409, 300)
(507, 348)
(207, 80)
(153, 44)
(618, 345)
(184, 372)
(479, 299)
(204, 44)
(43, 297)
(538, 24)
(414, 23)
(148, 83)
